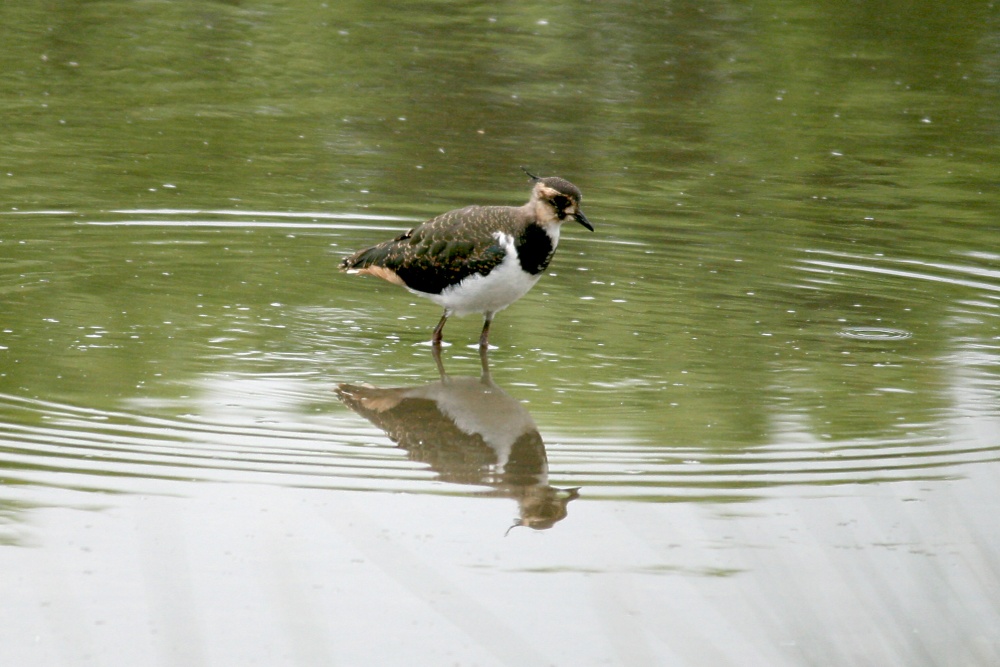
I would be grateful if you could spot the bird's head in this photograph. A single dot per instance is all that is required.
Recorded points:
(556, 199)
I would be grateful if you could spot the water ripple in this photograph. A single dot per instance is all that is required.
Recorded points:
(52, 444)
(874, 333)
(953, 274)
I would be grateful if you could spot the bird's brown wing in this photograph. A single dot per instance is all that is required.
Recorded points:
(439, 252)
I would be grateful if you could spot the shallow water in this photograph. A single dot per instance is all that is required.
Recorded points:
(753, 417)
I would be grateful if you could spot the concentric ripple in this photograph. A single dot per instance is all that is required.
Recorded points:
(51, 444)
(874, 333)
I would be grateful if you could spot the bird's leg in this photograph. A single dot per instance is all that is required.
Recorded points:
(436, 352)
(484, 362)
(436, 338)
(484, 338)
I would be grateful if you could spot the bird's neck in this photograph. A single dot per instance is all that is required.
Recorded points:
(542, 213)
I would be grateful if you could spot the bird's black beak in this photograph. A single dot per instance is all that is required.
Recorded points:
(582, 219)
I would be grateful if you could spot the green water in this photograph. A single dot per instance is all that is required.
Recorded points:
(778, 352)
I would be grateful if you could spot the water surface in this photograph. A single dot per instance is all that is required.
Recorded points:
(752, 419)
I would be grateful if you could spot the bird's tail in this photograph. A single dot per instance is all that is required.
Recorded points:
(375, 261)
(374, 256)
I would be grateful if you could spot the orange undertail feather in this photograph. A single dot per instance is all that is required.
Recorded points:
(369, 262)
(383, 273)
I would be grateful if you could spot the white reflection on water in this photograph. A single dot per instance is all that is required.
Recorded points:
(884, 574)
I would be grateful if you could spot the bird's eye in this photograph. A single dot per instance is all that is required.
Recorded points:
(560, 202)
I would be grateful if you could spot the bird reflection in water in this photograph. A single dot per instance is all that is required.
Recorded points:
(469, 431)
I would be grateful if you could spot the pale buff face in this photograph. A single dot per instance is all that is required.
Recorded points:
(547, 202)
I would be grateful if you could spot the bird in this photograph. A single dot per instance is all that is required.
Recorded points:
(477, 259)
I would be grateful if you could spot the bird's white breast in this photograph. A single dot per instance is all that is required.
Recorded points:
(504, 285)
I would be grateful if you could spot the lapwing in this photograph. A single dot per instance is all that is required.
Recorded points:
(477, 259)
